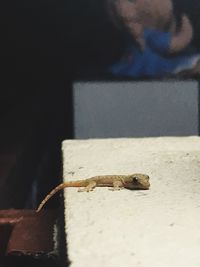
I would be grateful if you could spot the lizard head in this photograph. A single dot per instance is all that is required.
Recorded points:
(138, 181)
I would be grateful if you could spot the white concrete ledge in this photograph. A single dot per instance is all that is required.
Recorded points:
(155, 228)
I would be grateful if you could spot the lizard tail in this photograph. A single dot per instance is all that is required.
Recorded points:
(58, 188)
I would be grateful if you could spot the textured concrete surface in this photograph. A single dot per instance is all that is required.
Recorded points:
(159, 227)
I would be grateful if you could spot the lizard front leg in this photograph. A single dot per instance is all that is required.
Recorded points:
(117, 185)
(89, 187)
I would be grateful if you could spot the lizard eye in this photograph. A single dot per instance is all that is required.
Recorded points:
(135, 179)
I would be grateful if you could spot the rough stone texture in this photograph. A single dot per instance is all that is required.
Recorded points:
(159, 227)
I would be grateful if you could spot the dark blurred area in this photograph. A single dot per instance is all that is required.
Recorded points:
(44, 46)
(92, 42)
(34, 99)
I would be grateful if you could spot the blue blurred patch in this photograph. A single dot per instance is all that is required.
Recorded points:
(153, 60)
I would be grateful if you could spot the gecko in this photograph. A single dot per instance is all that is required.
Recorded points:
(117, 182)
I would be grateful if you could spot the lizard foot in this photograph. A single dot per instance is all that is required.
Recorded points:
(117, 185)
(115, 188)
(88, 188)
(85, 189)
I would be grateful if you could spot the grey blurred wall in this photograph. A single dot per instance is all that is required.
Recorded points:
(135, 109)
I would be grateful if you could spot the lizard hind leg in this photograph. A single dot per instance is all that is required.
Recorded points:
(89, 187)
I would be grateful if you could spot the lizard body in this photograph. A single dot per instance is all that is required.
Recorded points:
(117, 182)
